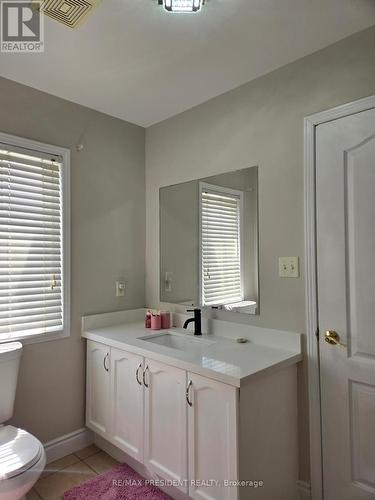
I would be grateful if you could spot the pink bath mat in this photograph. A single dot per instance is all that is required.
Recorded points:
(120, 483)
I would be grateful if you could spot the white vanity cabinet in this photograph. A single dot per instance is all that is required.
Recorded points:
(97, 390)
(165, 418)
(115, 398)
(165, 422)
(212, 441)
(201, 433)
(126, 402)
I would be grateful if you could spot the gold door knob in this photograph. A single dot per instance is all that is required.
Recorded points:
(332, 338)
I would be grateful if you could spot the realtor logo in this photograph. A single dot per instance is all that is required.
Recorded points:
(22, 26)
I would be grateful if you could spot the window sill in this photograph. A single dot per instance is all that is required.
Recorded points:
(35, 339)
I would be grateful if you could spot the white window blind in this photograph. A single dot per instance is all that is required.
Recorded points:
(31, 250)
(220, 245)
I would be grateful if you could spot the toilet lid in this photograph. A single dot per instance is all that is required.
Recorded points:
(19, 451)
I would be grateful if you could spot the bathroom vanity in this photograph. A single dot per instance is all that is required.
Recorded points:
(200, 412)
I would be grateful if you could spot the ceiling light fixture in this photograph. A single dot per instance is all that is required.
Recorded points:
(181, 6)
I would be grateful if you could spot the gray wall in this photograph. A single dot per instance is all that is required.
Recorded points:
(261, 123)
(108, 220)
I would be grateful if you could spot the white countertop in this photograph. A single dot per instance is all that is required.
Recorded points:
(221, 358)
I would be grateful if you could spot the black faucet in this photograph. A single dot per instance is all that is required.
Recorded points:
(197, 321)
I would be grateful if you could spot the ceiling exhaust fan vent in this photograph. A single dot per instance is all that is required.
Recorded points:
(68, 12)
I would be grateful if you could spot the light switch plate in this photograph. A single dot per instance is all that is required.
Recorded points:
(120, 288)
(289, 267)
(168, 281)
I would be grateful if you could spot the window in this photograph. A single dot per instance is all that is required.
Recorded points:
(220, 245)
(34, 240)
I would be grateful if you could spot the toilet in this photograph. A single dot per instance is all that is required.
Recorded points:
(22, 456)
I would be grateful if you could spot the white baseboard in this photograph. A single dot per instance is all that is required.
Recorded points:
(304, 490)
(70, 443)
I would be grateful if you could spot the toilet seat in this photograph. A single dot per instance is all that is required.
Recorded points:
(19, 451)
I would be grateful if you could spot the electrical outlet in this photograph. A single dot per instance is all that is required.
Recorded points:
(289, 267)
(120, 288)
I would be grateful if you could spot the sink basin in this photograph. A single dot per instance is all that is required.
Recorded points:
(178, 341)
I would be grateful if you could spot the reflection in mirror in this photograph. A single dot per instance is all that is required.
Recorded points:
(209, 242)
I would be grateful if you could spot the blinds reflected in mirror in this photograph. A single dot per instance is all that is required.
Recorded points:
(220, 236)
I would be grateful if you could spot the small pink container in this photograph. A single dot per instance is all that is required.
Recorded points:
(155, 322)
(165, 319)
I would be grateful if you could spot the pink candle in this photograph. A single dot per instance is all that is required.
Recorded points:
(155, 322)
(165, 319)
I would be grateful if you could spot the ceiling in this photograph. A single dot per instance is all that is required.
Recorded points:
(132, 60)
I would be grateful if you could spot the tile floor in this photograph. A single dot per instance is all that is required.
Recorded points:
(70, 471)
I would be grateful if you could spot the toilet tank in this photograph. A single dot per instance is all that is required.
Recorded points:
(10, 355)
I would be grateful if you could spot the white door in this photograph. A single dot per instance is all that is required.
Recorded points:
(165, 422)
(345, 186)
(97, 396)
(212, 438)
(126, 396)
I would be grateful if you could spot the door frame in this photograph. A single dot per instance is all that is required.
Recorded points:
(310, 124)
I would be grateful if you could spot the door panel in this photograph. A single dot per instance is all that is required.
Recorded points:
(362, 406)
(360, 189)
(97, 416)
(212, 424)
(166, 422)
(345, 200)
(127, 402)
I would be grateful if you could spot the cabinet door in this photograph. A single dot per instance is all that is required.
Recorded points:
(97, 391)
(212, 438)
(166, 422)
(127, 403)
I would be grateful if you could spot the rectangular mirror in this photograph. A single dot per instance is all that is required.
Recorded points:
(209, 242)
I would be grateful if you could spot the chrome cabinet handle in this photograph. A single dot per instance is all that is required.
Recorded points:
(104, 362)
(137, 374)
(144, 376)
(188, 392)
